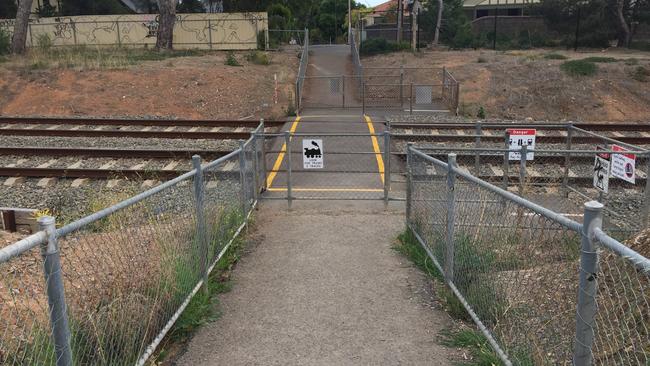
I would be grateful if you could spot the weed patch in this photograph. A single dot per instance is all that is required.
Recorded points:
(259, 58)
(478, 346)
(641, 74)
(600, 59)
(5, 42)
(579, 68)
(554, 56)
(380, 46)
(231, 60)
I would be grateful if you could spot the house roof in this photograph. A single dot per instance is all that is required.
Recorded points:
(495, 3)
(387, 6)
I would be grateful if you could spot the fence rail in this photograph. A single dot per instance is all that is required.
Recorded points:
(543, 289)
(116, 281)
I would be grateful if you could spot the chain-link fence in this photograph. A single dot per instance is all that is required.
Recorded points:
(116, 281)
(558, 174)
(526, 274)
(327, 166)
(302, 70)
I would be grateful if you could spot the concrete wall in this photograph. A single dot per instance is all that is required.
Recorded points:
(227, 31)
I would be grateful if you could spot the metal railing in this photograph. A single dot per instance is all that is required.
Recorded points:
(560, 175)
(116, 281)
(542, 288)
(302, 70)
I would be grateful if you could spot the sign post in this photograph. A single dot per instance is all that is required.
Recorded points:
(312, 154)
(518, 138)
(623, 165)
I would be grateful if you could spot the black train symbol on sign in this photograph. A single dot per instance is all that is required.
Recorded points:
(313, 153)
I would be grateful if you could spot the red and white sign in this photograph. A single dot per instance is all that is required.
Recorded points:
(521, 137)
(623, 165)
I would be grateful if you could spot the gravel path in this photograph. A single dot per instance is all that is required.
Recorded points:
(324, 287)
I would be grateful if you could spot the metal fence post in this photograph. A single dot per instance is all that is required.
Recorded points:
(200, 219)
(119, 37)
(411, 100)
(342, 91)
(210, 32)
(567, 160)
(477, 145)
(522, 169)
(263, 153)
(256, 164)
(55, 292)
(409, 172)
(287, 142)
(242, 176)
(74, 32)
(646, 196)
(582, 354)
(363, 96)
(451, 216)
(506, 161)
(387, 177)
(401, 87)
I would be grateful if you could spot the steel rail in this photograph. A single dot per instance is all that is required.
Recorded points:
(635, 140)
(91, 121)
(122, 133)
(107, 153)
(590, 126)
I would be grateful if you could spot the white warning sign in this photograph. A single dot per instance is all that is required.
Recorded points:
(623, 165)
(312, 154)
(519, 137)
(601, 172)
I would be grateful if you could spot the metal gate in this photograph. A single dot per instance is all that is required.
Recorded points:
(370, 92)
(326, 166)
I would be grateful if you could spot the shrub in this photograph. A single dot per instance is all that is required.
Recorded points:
(5, 42)
(481, 60)
(640, 73)
(379, 46)
(44, 42)
(600, 59)
(231, 60)
(554, 56)
(258, 58)
(481, 113)
(631, 61)
(579, 68)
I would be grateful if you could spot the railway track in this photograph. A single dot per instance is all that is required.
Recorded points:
(143, 174)
(134, 121)
(109, 153)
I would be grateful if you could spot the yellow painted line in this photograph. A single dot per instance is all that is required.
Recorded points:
(278, 161)
(375, 146)
(326, 190)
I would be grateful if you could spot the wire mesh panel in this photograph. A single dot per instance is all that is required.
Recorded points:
(25, 335)
(517, 267)
(622, 323)
(127, 274)
(327, 166)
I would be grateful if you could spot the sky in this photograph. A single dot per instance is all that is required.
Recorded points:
(371, 2)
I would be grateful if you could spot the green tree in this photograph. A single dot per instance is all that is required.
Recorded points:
(8, 9)
(597, 22)
(280, 17)
(455, 31)
(92, 7)
(190, 6)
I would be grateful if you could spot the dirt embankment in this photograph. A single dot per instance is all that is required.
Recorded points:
(521, 84)
(186, 87)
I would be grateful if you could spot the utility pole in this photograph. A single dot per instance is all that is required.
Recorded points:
(349, 21)
(400, 6)
(496, 11)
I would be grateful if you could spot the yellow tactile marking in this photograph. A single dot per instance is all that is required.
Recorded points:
(375, 146)
(326, 189)
(278, 161)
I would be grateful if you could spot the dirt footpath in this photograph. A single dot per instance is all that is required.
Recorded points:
(324, 288)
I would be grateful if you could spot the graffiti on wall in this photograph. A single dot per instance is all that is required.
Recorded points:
(220, 31)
